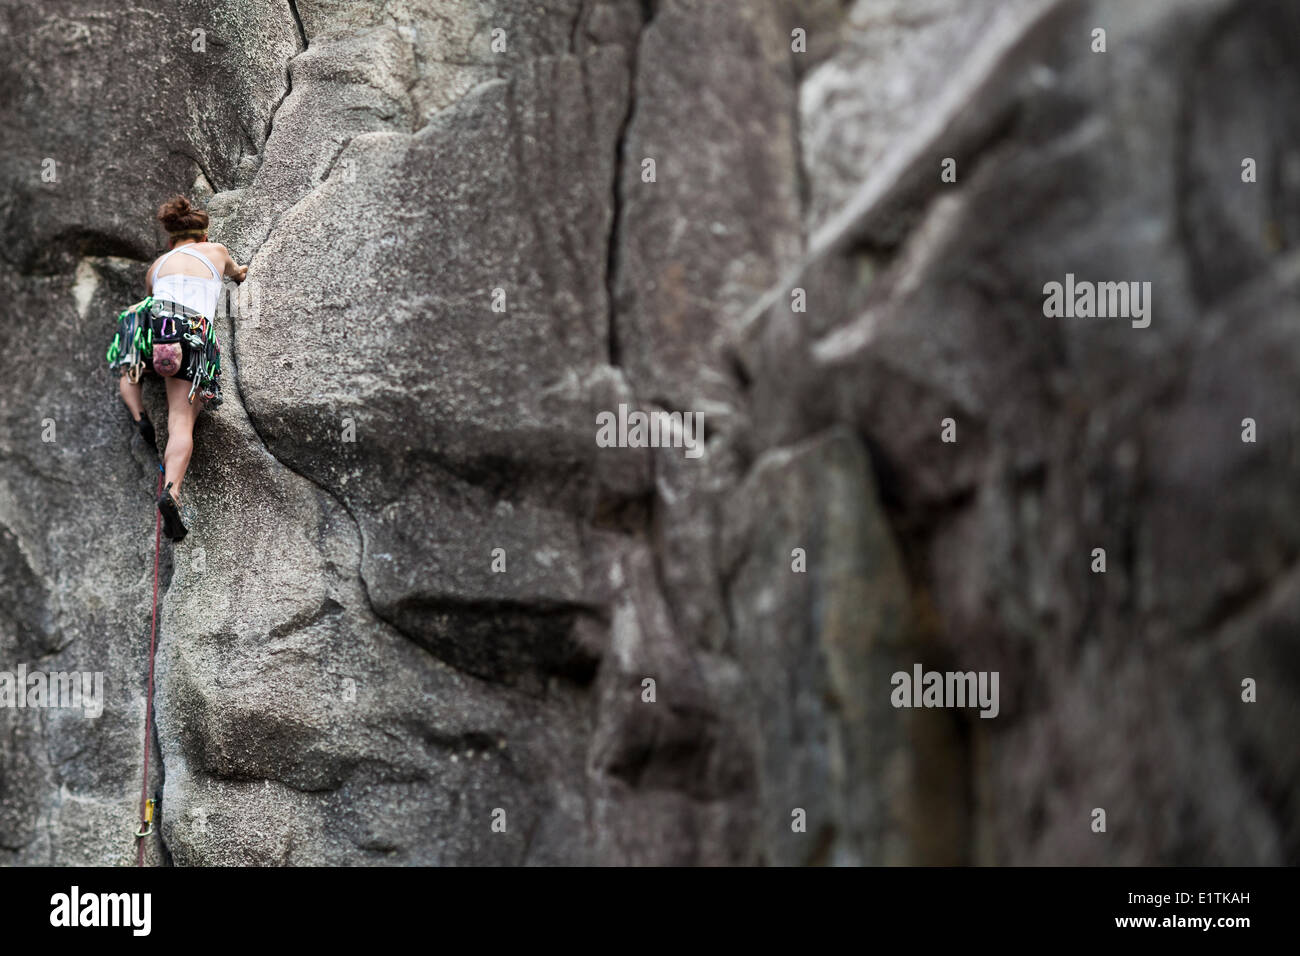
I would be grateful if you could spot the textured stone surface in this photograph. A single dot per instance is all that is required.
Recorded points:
(1082, 433)
(344, 677)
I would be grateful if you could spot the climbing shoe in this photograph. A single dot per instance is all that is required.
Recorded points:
(173, 527)
(146, 430)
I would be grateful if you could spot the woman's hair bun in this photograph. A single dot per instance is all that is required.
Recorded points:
(178, 215)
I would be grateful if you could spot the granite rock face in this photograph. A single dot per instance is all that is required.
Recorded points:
(423, 617)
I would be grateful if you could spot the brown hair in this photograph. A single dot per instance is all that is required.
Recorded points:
(178, 216)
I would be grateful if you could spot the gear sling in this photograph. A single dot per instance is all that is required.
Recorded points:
(153, 322)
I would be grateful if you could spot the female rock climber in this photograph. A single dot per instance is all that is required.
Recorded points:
(181, 344)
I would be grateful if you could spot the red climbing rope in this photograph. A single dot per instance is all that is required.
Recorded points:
(146, 821)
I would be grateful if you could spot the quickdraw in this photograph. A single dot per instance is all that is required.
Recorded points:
(131, 341)
(146, 828)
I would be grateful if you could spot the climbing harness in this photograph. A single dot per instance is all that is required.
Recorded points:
(170, 339)
(193, 335)
(147, 806)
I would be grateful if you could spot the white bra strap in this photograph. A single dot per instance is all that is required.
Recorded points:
(190, 252)
(165, 257)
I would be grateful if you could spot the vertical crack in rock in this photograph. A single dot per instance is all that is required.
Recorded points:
(234, 350)
(165, 586)
(620, 156)
(270, 120)
(166, 573)
(288, 74)
(346, 508)
(361, 540)
(297, 20)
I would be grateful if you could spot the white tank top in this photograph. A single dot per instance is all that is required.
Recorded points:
(193, 292)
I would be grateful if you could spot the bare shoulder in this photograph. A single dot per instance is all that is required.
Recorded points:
(148, 276)
(217, 254)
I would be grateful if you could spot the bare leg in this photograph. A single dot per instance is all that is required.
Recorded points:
(133, 395)
(181, 416)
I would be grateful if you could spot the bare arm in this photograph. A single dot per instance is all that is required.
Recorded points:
(231, 268)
